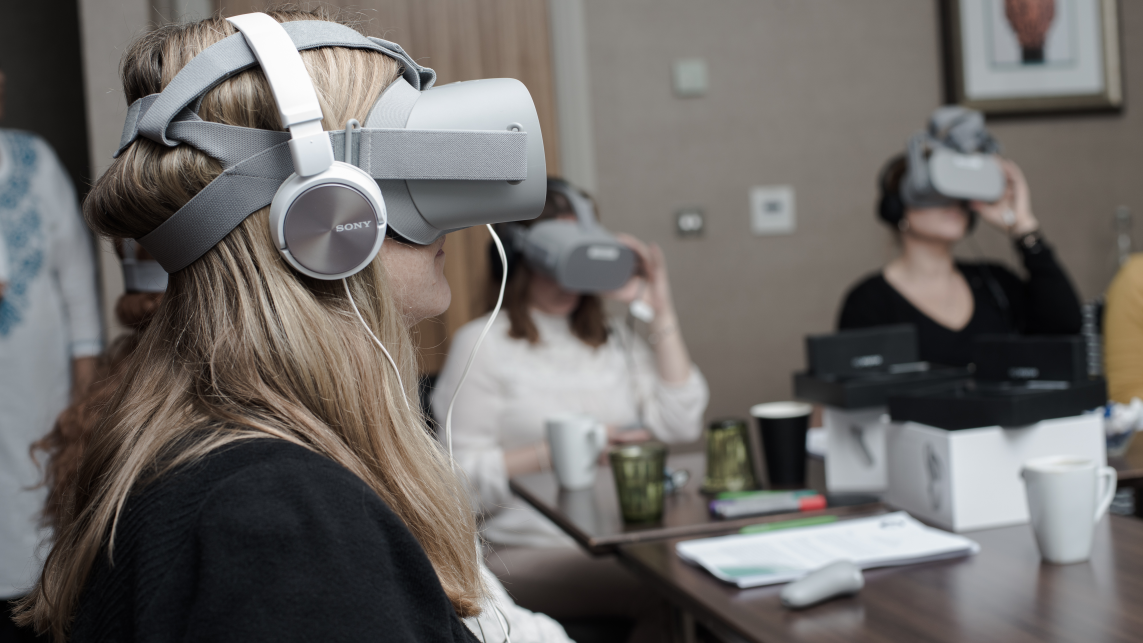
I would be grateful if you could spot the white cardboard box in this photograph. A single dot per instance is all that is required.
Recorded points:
(855, 451)
(970, 479)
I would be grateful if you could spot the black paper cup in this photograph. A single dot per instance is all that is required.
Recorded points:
(782, 427)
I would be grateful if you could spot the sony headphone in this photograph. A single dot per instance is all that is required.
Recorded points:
(328, 218)
(890, 206)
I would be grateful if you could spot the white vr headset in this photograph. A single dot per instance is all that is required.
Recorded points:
(426, 162)
(954, 161)
(581, 255)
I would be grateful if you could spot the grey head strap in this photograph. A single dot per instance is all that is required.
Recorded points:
(580, 203)
(151, 115)
(257, 162)
(962, 129)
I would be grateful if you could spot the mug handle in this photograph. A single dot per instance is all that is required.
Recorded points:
(1109, 478)
(597, 438)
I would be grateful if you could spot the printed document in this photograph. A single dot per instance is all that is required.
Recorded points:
(750, 560)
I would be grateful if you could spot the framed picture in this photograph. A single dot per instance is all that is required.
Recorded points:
(1034, 55)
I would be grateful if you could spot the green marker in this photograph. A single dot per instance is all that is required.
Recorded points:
(787, 524)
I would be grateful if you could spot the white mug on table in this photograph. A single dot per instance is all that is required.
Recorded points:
(575, 441)
(1067, 497)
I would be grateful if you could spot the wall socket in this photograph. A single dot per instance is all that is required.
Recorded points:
(689, 77)
(690, 222)
(772, 210)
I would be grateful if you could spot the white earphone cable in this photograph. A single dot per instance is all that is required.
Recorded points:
(378, 342)
(479, 340)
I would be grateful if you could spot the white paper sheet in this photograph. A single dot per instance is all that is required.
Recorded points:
(750, 560)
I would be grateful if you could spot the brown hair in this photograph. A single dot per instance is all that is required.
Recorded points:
(242, 347)
(588, 321)
(889, 188)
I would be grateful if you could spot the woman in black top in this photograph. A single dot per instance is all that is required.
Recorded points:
(952, 301)
(258, 474)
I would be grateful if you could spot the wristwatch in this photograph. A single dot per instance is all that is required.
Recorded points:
(1031, 242)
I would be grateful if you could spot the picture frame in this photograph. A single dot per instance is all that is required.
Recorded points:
(1023, 56)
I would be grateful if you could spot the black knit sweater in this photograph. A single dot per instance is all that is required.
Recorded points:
(1003, 303)
(264, 541)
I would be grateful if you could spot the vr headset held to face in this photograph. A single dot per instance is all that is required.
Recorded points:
(581, 255)
(426, 162)
(953, 161)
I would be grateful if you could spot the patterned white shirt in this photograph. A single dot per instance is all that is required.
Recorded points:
(49, 315)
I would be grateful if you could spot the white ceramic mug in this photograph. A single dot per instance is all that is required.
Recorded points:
(1067, 496)
(575, 441)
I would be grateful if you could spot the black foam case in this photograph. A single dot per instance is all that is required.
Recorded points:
(865, 350)
(1048, 358)
(969, 405)
(856, 369)
(871, 389)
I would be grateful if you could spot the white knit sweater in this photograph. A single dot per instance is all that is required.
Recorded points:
(514, 386)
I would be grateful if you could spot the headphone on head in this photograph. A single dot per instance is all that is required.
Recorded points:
(890, 206)
(328, 219)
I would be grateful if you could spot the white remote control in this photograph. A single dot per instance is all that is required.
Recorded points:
(836, 579)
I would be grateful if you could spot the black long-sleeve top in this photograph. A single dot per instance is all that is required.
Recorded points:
(264, 541)
(1003, 303)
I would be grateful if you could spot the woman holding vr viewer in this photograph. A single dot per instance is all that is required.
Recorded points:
(555, 351)
(259, 472)
(933, 196)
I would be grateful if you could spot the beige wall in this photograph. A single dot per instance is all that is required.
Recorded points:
(106, 28)
(816, 94)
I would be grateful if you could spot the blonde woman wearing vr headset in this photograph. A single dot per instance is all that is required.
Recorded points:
(259, 473)
(932, 196)
(555, 350)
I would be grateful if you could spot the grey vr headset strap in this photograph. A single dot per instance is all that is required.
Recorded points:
(151, 115)
(918, 175)
(250, 184)
(435, 155)
(229, 144)
(583, 207)
(963, 130)
(218, 208)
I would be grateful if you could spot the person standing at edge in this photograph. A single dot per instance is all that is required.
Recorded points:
(50, 333)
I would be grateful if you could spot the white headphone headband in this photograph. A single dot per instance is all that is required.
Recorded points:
(298, 106)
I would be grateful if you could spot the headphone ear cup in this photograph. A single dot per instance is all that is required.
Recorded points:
(329, 225)
(891, 209)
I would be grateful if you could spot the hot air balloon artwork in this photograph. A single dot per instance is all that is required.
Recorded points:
(1034, 55)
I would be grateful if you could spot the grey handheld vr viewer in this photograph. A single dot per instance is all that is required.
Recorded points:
(954, 160)
(581, 255)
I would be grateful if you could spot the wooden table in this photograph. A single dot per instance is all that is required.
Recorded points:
(593, 519)
(1003, 593)
(1130, 469)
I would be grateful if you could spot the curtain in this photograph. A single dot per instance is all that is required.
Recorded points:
(462, 40)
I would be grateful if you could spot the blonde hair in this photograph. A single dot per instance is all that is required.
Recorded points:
(243, 347)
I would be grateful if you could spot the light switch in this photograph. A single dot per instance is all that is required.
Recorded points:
(690, 77)
(690, 222)
(772, 210)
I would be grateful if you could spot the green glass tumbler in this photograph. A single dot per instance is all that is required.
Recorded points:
(638, 471)
(728, 462)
